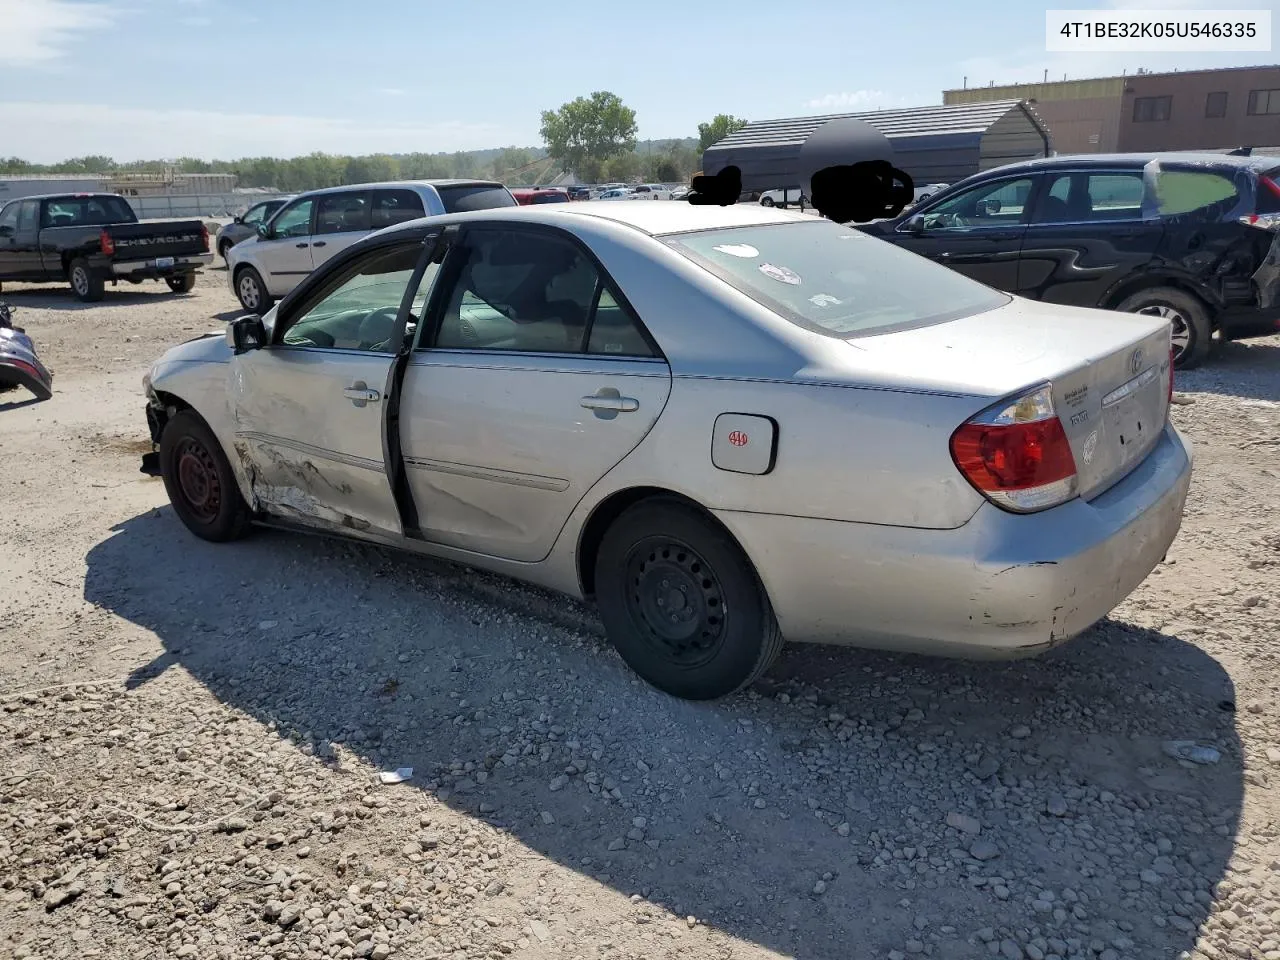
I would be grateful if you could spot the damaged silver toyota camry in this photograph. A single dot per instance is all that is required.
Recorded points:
(726, 425)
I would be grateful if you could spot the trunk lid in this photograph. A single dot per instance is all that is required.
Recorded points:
(165, 238)
(1110, 373)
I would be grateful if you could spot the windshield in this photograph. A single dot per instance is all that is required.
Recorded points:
(836, 280)
(475, 197)
(87, 211)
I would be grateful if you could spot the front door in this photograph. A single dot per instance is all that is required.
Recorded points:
(977, 232)
(341, 219)
(1089, 232)
(309, 406)
(532, 379)
(285, 254)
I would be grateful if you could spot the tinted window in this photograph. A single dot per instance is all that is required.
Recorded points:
(991, 204)
(550, 198)
(343, 213)
(474, 197)
(517, 290)
(358, 312)
(395, 206)
(86, 211)
(294, 220)
(834, 279)
(9, 215)
(1091, 197)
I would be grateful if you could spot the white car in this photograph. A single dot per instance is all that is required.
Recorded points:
(783, 198)
(315, 226)
(650, 191)
(617, 193)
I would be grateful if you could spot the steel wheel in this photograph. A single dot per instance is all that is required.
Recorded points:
(675, 601)
(1181, 327)
(198, 480)
(250, 294)
(80, 281)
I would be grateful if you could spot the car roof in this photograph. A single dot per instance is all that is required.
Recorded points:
(68, 195)
(656, 219)
(402, 184)
(1257, 162)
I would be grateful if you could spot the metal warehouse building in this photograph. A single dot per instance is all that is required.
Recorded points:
(933, 144)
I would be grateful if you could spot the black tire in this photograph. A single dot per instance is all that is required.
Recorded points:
(199, 481)
(86, 283)
(223, 247)
(766, 201)
(251, 291)
(1192, 331)
(663, 555)
(182, 283)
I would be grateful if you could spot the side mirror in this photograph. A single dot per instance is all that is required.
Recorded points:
(246, 333)
(264, 232)
(913, 224)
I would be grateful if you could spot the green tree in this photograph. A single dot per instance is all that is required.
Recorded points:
(600, 127)
(374, 168)
(721, 125)
(624, 167)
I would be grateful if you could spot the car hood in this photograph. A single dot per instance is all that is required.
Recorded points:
(209, 347)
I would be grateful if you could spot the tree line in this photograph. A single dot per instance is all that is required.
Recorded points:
(592, 137)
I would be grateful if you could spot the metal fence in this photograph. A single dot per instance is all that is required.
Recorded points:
(160, 206)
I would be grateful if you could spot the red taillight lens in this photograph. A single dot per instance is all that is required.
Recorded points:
(1271, 185)
(106, 244)
(204, 235)
(1017, 455)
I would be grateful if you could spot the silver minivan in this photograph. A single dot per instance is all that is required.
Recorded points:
(314, 226)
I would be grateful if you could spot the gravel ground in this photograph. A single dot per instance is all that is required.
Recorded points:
(190, 735)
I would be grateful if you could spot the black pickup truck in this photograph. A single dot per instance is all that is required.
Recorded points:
(90, 238)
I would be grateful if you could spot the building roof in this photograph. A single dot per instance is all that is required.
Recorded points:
(1121, 76)
(911, 122)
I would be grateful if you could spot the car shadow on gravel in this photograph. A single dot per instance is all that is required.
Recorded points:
(61, 298)
(1248, 369)
(832, 811)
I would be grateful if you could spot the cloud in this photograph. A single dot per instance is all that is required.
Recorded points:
(854, 100)
(48, 132)
(38, 31)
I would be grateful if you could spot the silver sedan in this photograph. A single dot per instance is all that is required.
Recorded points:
(725, 425)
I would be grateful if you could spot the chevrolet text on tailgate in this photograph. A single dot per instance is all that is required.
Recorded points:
(87, 239)
(726, 425)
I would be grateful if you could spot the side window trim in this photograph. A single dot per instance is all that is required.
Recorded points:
(292, 310)
(451, 268)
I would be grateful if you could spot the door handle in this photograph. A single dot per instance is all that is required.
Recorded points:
(360, 394)
(611, 402)
(318, 243)
(302, 246)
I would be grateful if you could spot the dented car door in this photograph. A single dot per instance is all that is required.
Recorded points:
(309, 406)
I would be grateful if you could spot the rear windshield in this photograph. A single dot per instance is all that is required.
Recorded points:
(836, 280)
(86, 211)
(550, 198)
(475, 197)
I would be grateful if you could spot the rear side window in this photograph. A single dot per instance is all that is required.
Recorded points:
(87, 211)
(460, 199)
(1080, 197)
(395, 206)
(836, 280)
(1188, 192)
(343, 213)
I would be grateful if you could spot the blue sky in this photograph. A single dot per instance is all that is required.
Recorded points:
(228, 78)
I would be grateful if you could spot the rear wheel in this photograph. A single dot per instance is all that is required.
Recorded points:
(251, 291)
(1187, 316)
(86, 283)
(199, 480)
(766, 201)
(682, 604)
(182, 283)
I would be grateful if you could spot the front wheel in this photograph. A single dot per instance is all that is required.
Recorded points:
(1192, 333)
(682, 604)
(86, 283)
(766, 201)
(199, 480)
(183, 283)
(251, 291)
(223, 249)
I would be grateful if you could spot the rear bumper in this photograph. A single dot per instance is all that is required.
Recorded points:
(148, 269)
(1001, 585)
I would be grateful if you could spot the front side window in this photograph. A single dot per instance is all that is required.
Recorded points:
(9, 217)
(255, 215)
(836, 280)
(1150, 109)
(533, 292)
(29, 215)
(343, 213)
(1080, 197)
(998, 204)
(294, 220)
(1263, 102)
(358, 310)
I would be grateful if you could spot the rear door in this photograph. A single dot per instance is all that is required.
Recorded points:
(342, 218)
(533, 378)
(285, 255)
(1087, 234)
(977, 232)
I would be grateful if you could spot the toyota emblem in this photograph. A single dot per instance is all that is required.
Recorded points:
(1135, 361)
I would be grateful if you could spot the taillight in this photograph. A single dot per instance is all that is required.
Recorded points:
(1264, 221)
(1172, 353)
(204, 236)
(106, 244)
(1016, 453)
